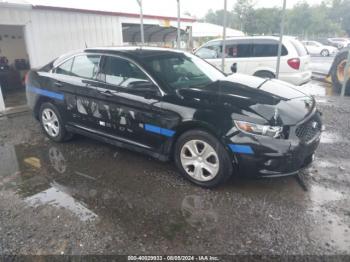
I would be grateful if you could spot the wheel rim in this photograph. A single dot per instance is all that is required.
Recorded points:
(57, 160)
(199, 160)
(324, 53)
(50, 122)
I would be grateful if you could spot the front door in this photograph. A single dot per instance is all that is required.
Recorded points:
(131, 102)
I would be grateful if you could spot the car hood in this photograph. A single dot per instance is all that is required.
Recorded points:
(262, 100)
(251, 99)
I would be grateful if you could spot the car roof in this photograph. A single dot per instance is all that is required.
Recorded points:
(134, 52)
(276, 38)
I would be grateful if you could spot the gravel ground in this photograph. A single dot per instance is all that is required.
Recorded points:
(85, 197)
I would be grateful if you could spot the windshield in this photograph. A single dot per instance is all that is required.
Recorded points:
(182, 70)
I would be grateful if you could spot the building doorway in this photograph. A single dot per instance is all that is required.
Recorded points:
(14, 64)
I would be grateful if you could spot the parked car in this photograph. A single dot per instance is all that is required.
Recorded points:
(257, 55)
(339, 42)
(174, 105)
(316, 48)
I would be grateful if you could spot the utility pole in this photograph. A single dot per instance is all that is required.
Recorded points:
(2, 104)
(178, 26)
(141, 22)
(224, 38)
(280, 41)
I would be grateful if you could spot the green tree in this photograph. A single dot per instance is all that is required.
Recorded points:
(265, 21)
(298, 19)
(340, 13)
(217, 18)
(245, 13)
(330, 17)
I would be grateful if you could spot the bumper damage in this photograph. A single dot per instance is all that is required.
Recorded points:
(268, 157)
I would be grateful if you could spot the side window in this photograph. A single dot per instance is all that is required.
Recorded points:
(85, 66)
(120, 72)
(206, 53)
(211, 51)
(65, 68)
(244, 50)
(231, 50)
(267, 50)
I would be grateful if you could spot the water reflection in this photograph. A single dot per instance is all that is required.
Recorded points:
(144, 198)
(57, 160)
(199, 212)
(30, 177)
(57, 197)
(8, 160)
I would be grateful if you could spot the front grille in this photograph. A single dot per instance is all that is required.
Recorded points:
(310, 129)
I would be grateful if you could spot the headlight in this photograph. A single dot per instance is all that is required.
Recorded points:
(255, 129)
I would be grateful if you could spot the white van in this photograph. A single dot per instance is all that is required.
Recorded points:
(257, 55)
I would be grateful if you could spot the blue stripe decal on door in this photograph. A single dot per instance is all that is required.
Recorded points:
(159, 130)
(241, 149)
(47, 93)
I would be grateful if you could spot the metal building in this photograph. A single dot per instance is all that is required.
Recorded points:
(32, 35)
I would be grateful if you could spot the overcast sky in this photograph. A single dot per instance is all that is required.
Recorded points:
(200, 7)
(197, 8)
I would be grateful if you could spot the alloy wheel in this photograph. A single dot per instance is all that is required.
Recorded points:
(199, 160)
(50, 122)
(324, 53)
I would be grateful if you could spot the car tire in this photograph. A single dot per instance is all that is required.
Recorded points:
(52, 123)
(324, 52)
(337, 73)
(264, 74)
(202, 159)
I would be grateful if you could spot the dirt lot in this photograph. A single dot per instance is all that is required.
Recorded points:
(85, 197)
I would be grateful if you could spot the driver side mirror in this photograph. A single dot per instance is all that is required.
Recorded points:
(145, 88)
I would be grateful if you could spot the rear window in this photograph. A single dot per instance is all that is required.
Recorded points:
(267, 50)
(85, 66)
(301, 50)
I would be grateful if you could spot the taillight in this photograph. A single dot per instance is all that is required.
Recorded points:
(26, 76)
(294, 63)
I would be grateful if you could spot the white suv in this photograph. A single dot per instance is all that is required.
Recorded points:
(257, 55)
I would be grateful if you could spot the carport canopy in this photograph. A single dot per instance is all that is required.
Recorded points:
(153, 33)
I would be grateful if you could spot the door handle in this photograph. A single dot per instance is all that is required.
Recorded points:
(107, 93)
(58, 84)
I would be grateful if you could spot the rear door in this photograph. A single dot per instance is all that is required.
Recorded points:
(264, 56)
(83, 107)
(238, 53)
(63, 83)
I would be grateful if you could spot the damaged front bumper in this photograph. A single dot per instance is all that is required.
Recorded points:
(268, 157)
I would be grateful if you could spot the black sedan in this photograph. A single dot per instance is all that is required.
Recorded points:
(173, 105)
